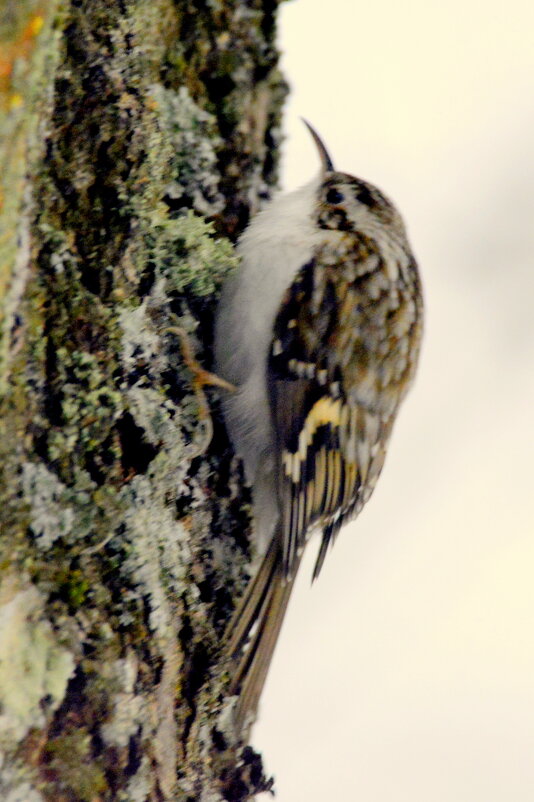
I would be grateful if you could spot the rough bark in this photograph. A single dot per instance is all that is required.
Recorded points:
(137, 138)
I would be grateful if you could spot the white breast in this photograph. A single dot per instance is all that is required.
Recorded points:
(276, 244)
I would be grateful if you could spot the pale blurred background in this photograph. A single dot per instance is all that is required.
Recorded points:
(406, 674)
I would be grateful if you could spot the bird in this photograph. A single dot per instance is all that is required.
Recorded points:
(318, 333)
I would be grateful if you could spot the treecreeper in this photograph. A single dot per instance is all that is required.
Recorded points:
(319, 332)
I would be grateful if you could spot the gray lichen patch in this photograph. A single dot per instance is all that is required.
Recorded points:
(140, 785)
(191, 133)
(186, 258)
(185, 251)
(17, 285)
(146, 359)
(141, 346)
(145, 362)
(50, 516)
(202, 260)
(159, 418)
(17, 792)
(33, 667)
(129, 709)
(159, 554)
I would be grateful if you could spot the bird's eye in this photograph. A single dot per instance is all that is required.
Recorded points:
(334, 196)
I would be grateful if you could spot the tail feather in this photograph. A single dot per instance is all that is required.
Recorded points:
(246, 614)
(253, 632)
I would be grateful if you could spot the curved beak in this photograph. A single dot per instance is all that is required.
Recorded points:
(326, 161)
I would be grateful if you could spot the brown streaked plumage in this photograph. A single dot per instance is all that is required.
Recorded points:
(321, 368)
(362, 330)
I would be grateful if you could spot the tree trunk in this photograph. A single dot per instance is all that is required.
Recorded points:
(137, 138)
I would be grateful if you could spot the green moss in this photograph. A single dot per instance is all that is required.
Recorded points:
(75, 588)
(69, 757)
(89, 405)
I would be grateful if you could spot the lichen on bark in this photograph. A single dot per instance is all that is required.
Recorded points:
(137, 139)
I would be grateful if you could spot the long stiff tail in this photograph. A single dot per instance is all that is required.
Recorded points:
(253, 632)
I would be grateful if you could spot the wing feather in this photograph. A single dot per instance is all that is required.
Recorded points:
(328, 376)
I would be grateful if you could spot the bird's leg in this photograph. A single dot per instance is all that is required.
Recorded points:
(201, 378)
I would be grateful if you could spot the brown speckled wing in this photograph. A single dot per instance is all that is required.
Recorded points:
(343, 354)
